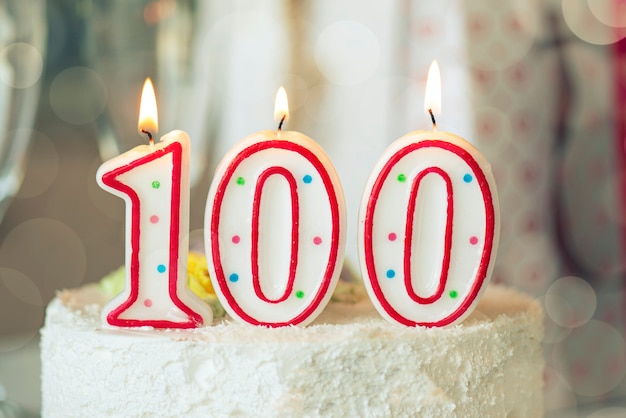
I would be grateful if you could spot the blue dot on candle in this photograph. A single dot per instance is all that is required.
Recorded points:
(161, 268)
(391, 273)
(467, 178)
(307, 179)
(234, 277)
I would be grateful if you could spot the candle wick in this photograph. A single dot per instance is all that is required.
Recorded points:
(432, 118)
(149, 136)
(280, 124)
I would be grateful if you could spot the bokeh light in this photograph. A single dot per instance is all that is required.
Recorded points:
(570, 302)
(78, 95)
(591, 358)
(607, 12)
(26, 59)
(347, 53)
(48, 250)
(584, 24)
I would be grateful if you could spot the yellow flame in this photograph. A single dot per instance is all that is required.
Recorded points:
(281, 105)
(148, 115)
(432, 98)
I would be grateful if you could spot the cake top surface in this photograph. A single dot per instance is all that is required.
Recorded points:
(79, 309)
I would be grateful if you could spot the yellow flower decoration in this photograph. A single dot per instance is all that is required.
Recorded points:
(198, 276)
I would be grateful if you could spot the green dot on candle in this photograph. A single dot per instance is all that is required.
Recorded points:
(241, 181)
(299, 294)
(156, 184)
(454, 294)
(401, 178)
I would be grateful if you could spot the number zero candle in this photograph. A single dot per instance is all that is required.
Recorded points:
(275, 227)
(428, 225)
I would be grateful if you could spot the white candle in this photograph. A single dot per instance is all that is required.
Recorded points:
(428, 226)
(154, 181)
(275, 228)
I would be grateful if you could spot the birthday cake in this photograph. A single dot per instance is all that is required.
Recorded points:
(348, 362)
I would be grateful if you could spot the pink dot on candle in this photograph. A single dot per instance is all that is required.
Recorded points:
(147, 303)
(473, 240)
(236, 239)
(392, 236)
(317, 240)
(154, 219)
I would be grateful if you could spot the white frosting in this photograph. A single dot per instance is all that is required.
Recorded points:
(349, 362)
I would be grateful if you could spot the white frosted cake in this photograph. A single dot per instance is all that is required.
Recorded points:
(349, 362)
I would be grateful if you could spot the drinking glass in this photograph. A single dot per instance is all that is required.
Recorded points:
(22, 44)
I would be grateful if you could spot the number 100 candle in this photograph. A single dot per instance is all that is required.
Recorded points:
(428, 225)
(275, 227)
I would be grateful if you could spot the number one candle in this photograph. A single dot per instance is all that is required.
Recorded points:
(428, 225)
(154, 181)
(275, 227)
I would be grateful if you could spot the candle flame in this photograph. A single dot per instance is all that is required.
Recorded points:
(432, 98)
(148, 115)
(281, 106)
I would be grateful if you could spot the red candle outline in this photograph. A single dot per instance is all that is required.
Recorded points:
(110, 179)
(408, 236)
(335, 235)
(295, 221)
(481, 272)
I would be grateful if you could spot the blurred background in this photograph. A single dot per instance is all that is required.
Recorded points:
(538, 86)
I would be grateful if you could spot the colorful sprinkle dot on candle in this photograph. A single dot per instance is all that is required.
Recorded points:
(147, 303)
(467, 178)
(307, 179)
(236, 239)
(473, 240)
(453, 294)
(401, 178)
(317, 240)
(154, 219)
(234, 277)
(392, 236)
(156, 184)
(161, 268)
(391, 274)
(241, 181)
(299, 294)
